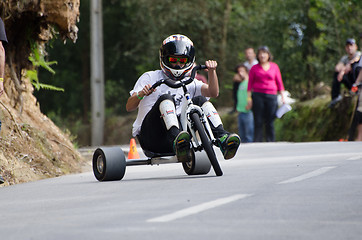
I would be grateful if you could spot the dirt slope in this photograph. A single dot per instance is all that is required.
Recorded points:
(31, 146)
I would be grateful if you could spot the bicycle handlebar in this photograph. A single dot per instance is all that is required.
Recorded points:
(177, 84)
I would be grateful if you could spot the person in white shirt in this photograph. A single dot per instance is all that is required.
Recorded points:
(157, 122)
(343, 70)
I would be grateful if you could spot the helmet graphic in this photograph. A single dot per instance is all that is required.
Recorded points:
(175, 48)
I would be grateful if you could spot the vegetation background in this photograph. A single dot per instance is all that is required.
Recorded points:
(306, 37)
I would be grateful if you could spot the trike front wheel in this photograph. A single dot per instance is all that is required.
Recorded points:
(207, 144)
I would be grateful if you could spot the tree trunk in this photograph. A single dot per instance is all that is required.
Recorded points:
(222, 53)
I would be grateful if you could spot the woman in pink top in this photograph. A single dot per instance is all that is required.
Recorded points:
(265, 82)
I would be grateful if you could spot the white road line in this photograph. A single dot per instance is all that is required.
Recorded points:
(308, 175)
(354, 158)
(198, 208)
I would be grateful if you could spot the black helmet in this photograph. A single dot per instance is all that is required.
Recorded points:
(177, 45)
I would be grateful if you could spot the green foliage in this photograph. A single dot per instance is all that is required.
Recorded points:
(72, 129)
(73, 73)
(33, 76)
(308, 121)
(314, 121)
(37, 59)
(306, 38)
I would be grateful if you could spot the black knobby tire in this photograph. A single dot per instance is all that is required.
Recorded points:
(109, 164)
(207, 144)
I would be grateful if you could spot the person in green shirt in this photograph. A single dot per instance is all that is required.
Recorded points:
(243, 106)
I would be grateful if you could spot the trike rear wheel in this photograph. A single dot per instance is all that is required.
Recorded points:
(109, 164)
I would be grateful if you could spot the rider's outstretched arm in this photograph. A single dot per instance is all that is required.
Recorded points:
(212, 88)
(134, 100)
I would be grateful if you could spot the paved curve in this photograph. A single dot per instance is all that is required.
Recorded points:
(269, 191)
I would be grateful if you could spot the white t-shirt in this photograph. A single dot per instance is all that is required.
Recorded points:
(147, 103)
(249, 65)
(345, 59)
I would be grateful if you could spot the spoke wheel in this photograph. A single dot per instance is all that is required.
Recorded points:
(206, 144)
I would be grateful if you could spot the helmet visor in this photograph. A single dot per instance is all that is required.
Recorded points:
(182, 60)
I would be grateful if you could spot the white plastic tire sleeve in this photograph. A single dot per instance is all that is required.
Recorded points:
(211, 114)
(168, 113)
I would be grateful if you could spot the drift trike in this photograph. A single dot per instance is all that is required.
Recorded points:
(109, 163)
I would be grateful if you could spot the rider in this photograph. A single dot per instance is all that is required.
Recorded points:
(157, 125)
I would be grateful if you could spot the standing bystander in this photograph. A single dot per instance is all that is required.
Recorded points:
(265, 82)
(3, 40)
(250, 61)
(358, 76)
(250, 58)
(245, 117)
(358, 113)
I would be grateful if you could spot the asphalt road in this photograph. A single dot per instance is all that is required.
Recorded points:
(269, 191)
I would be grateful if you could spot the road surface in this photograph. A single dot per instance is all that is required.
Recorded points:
(268, 191)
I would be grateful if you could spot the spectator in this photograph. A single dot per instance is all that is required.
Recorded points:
(359, 106)
(343, 73)
(245, 117)
(3, 41)
(357, 117)
(250, 58)
(250, 61)
(357, 66)
(265, 81)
